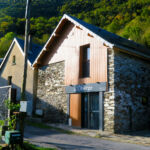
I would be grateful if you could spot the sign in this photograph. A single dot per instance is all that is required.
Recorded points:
(23, 106)
(82, 88)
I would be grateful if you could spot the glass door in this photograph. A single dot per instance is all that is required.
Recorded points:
(94, 110)
(90, 110)
(85, 111)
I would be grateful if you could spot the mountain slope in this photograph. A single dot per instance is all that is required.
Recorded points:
(128, 18)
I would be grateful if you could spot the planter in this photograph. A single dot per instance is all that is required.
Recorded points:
(4, 129)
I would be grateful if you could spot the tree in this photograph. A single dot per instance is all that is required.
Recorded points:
(5, 43)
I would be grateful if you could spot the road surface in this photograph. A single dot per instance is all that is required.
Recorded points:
(50, 138)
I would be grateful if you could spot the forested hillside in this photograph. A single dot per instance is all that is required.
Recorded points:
(128, 18)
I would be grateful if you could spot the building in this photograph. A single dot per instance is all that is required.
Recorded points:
(11, 70)
(1, 59)
(96, 78)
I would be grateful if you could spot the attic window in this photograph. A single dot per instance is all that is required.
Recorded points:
(85, 61)
(14, 60)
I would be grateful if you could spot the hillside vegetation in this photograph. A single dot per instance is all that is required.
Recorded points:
(127, 18)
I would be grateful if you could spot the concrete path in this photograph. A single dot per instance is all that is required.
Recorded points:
(135, 137)
(49, 138)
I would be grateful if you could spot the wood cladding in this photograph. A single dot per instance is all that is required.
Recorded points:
(69, 51)
(75, 109)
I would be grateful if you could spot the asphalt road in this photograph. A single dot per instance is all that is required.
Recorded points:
(49, 138)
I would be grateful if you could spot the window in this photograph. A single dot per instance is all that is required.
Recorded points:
(85, 61)
(14, 60)
(9, 80)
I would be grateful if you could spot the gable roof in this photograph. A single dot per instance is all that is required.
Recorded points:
(1, 59)
(108, 38)
(33, 53)
(112, 38)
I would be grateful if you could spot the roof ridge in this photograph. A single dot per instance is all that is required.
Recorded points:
(101, 29)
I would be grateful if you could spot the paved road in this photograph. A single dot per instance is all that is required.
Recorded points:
(48, 138)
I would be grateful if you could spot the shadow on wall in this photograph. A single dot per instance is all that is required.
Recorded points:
(132, 92)
(29, 96)
(52, 114)
(51, 95)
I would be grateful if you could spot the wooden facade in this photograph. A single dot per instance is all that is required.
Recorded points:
(69, 50)
(65, 45)
(70, 42)
(75, 109)
(87, 99)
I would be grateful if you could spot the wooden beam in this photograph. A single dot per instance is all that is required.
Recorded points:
(56, 34)
(79, 28)
(105, 45)
(90, 35)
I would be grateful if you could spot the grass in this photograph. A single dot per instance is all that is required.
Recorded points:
(29, 146)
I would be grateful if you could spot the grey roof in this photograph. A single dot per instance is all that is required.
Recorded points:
(1, 59)
(108, 38)
(33, 53)
(113, 38)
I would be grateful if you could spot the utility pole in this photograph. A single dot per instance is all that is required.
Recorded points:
(26, 48)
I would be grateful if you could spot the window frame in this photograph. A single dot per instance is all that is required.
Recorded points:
(14, 60)
(84, 61)
(9, 80)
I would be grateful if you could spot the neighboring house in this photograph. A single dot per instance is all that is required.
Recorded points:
(1, 59)
(96, 78)
(11, 70)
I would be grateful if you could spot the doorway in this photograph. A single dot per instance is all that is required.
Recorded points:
(90, 110)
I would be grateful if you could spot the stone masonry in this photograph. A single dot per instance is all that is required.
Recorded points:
(51, 93)
(4, 96)
(128, 85)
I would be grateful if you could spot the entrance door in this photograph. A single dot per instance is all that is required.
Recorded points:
(90, 110)
(94, 110)
(75, 109)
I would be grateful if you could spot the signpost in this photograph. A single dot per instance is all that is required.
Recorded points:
(23, 106)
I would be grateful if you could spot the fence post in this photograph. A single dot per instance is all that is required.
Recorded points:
(9, 99)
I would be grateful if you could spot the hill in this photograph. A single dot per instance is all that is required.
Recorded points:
(127, 18)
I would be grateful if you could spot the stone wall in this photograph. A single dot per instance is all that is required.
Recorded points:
(109, 102)
(51, 93)
(129, 83)
(4, 96)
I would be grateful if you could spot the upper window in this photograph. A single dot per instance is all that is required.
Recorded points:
(14, 60)
(85, 61)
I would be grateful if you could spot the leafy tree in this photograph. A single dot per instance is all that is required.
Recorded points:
(5, 43)
(128, 18)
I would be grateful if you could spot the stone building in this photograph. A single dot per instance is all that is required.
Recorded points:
(93, 78)
(11, 70)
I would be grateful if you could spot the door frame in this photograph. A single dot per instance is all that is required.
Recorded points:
(89, 111)
(87, 88)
